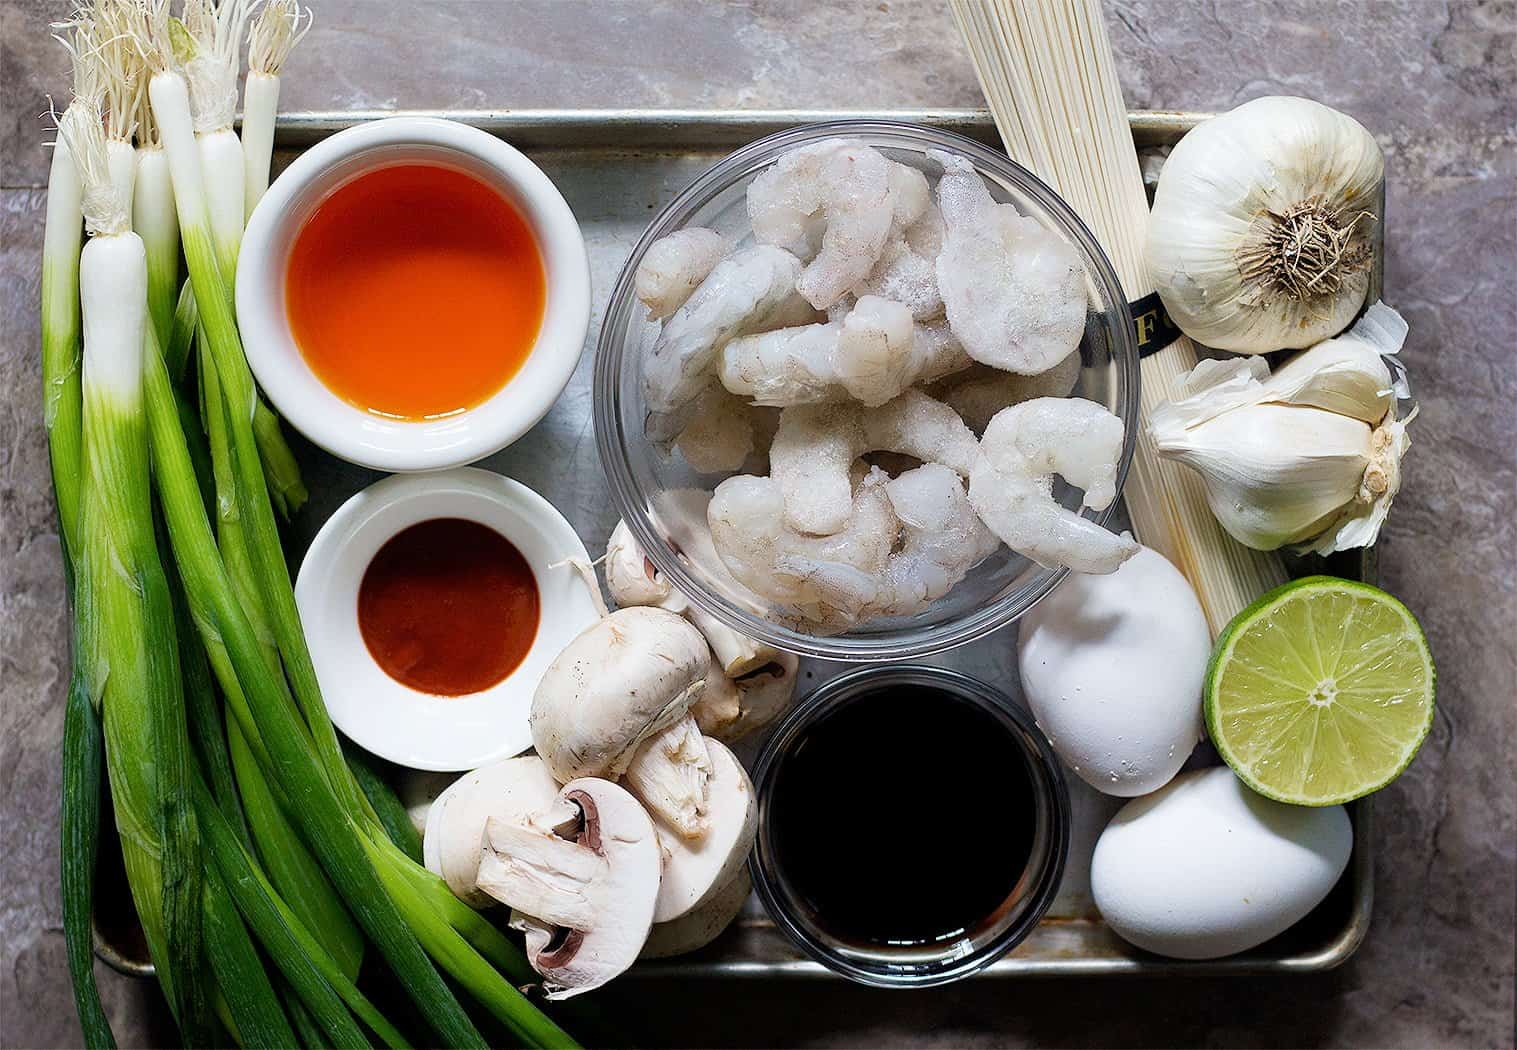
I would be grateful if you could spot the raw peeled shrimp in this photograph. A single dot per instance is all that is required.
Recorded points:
(907, 267)
(1014, 291)
(1011, 486)
(741, 293)
(674, 266)
(978, 393)
(816, 445)
(906, 277)
(869, 355)
(940, 351)
(810, 577)
(942, 539)
(720, 435)
(834, 203)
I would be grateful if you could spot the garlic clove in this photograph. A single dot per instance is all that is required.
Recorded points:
(1347, 374)
(1359, 524)
(1274, 474)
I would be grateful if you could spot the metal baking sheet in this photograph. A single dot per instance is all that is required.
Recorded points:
(617, 169)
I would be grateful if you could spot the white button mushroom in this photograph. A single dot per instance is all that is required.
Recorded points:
(634, 580)
(695, 870)
(511, 790)
(731, 708)
(582, 878)
(1112, 668)
(696, 929)
(618, 683)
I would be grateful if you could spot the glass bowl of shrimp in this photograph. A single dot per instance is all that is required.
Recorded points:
(866, 391)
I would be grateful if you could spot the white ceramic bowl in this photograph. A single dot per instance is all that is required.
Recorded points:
(392, 720)
(325, 418)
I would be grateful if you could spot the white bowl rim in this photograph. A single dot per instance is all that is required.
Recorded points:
(404, 725)
(364, 438)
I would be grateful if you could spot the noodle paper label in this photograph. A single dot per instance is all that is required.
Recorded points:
(1152, 325)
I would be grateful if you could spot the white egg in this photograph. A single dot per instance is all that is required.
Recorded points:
(1205, 867)
(1112, 667)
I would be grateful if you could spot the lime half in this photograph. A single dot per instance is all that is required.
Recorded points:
(1320, 692)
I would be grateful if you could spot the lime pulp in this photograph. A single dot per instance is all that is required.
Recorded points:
(1320, 692)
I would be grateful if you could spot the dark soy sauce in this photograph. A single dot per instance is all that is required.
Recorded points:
(903, 818)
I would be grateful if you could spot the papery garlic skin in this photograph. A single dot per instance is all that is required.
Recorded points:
(1260, 232)
(1309, 456)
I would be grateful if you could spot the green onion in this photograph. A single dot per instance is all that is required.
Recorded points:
(296, 876)
(316, 978)
(278, 28)
(83, 755)
(325, 826)
(61, 400)
(83, 741)
(125, 613)
(176, 352)
(392, 815)
(251, 1004)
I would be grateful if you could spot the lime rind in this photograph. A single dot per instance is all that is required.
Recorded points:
(1286, 627)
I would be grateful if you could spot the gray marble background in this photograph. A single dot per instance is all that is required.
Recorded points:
(1434, 81)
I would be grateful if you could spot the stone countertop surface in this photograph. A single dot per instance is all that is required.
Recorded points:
(1434, 81)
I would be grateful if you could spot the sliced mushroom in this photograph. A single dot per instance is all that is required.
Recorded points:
(582, 879)
(619, 682)
(511, 790)
(694, 930)
(694, 870)
(634, 580)
(670, 775)
(731, 708)
(418, 790)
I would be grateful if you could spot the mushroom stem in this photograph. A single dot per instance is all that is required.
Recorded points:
(537, 870)
(671, 775)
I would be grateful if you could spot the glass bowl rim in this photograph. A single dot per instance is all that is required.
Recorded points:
(896, 645)
(1042, 763)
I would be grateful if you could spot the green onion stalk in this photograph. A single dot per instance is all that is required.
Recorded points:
(125, 613)
(83, 743)
(294, 872)
(207, 43)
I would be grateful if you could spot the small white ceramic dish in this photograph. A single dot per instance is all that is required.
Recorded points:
(412, 728)
(344, 429)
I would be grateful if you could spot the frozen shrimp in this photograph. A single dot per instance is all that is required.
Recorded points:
(813, 578)
(816, 445)
(939, 351)
(859, 208)
(978, 393)
(739, 295)
(942, 539)
(674, 266)
(720, 435)
(1014, 291)
(870, 355)
(1011, 486)
(905, 277)
(834, 203)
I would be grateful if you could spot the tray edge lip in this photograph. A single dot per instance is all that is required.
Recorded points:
(654, 128)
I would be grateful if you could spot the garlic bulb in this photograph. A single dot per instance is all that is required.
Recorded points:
(1260, 233)
(1309, 455)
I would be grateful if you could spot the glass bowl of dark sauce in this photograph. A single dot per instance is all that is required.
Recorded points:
(913, 825)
